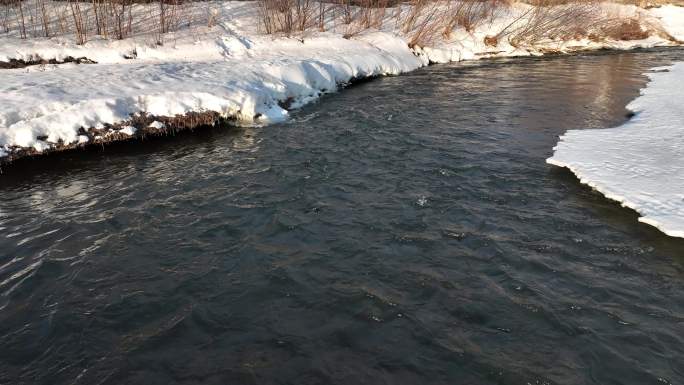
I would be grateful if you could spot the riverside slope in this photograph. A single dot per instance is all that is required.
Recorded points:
(641, 163)
(41, 108)
(229, 69)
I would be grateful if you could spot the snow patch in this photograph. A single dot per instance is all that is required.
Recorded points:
(130, 130)
(641, 163)
(56, 104)
(671, 19)
(156, 124)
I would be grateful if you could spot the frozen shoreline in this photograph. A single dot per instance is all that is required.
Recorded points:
(230, 71)
(641, 163)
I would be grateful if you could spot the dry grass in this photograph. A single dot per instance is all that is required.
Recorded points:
(471, 14)
(289, 16)
(629, 29)
(422, 21)
(551, 21)
(425, 21)
(108, 19)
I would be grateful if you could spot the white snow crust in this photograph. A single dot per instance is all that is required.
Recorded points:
(57, 103)
(641, 163)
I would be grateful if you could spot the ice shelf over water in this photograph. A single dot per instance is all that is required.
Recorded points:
(641, 163)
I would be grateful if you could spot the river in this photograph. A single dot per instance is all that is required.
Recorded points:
(405, 230)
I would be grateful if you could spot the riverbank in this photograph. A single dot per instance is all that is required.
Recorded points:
(233, 71)
(638, 164)
(403, 226)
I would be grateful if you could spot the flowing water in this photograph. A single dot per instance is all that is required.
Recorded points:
(403, 231)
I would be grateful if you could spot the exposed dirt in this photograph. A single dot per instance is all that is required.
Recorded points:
(21, 63)
(111, 133)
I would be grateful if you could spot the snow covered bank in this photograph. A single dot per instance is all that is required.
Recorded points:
(240, 20)
(671, 18)
(641, 163)
(40, 109)
(231, 69)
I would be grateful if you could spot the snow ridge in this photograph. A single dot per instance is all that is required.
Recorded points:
(641, 163)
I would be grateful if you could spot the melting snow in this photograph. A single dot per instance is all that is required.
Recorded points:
(130, 130)
(641, 163)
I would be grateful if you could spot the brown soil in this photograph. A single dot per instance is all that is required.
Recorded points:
(110, 133)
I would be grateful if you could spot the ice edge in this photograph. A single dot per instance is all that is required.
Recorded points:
(605, 190)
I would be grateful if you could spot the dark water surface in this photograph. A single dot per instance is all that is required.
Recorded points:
(403, 231)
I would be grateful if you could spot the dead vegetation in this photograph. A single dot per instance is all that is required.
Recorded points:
(107, 19)
(629, 29)
(471, 14)
(422, 21)
(551, 21)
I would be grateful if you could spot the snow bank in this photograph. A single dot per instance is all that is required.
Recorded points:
(41, 108)
(465, 45)
(671, 19)
(641, 163)
(236, 29)
(229, 68)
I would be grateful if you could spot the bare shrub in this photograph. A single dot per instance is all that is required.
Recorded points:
(426, 32)
(5, 21)
(123, 19)
(469, 14)
(621, 29)
(80, 19)
(371, 13)
(421, 21)
(15, 7)
(212, 16)
(321, 16)
(417, 8)
(43, 16)
(550, 21)
(346, 8)
(427, 20)
(288, 16)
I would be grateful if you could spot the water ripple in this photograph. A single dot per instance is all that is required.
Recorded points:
(406, 230)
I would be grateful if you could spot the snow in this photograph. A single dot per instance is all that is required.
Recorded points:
(641, 163)
(156, 124)
(129, 130)
(671, 19)
(57, 103)
(231, 69)
(470, 45)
